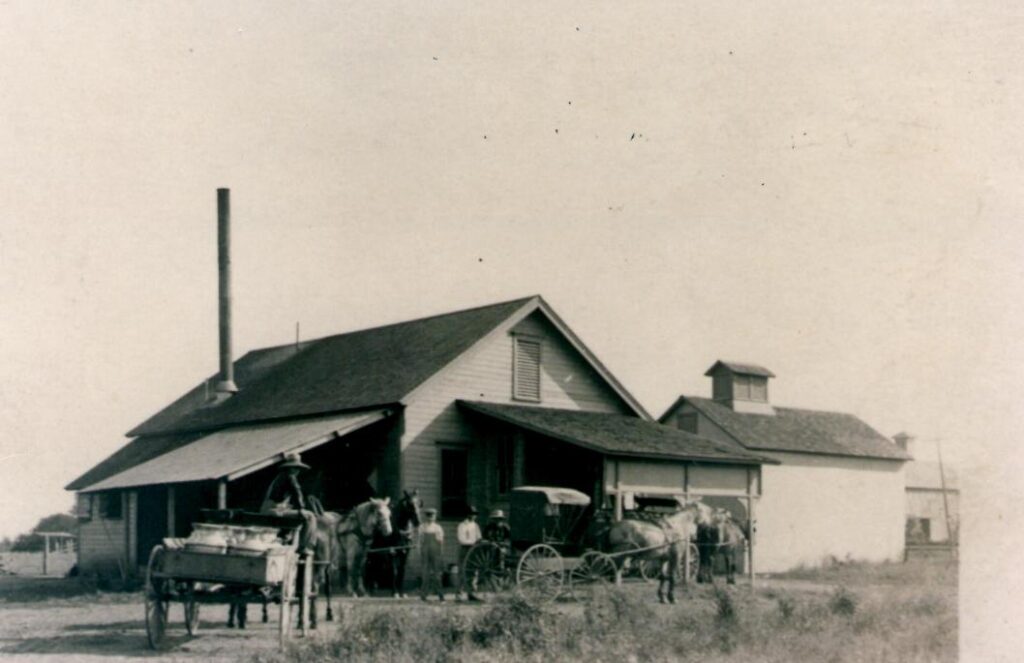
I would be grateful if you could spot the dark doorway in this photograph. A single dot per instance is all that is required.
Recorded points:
(151, 519)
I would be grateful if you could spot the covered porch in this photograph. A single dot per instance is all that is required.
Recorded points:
(351, 456)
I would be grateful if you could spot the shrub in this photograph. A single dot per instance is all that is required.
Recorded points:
(516, 623)
(787, 608)
(842, 601)
(725, 608)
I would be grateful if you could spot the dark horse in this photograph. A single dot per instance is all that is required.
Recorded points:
(721, 537)
(386, 562)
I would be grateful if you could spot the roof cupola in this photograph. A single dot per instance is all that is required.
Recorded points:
(742, 387)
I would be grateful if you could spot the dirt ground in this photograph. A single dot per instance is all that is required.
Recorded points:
(48, 619)
(111, 626)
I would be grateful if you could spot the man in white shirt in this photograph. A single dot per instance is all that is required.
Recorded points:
(468, 534)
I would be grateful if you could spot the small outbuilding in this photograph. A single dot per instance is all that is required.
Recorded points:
(837, 490)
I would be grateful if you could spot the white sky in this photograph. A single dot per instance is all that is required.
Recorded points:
(830, 191)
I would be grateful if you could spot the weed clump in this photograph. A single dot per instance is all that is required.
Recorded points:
(516, 623)
(842, 601)
(725, 608)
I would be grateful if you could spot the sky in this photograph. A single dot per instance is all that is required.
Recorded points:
(830, 190)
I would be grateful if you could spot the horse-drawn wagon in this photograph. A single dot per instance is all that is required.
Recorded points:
(232, 558)
(559, 546)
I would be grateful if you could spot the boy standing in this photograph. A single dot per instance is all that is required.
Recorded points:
(431, 545)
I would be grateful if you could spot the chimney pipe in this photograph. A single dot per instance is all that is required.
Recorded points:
(226, 384)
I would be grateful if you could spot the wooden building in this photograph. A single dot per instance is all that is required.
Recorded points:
(933, 499)
(837, 490)
(462, 407)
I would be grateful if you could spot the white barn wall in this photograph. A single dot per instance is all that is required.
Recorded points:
(816, 507)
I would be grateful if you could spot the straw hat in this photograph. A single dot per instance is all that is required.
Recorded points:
(293, 460)
(497, 513)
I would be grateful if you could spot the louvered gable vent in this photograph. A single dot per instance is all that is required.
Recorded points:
(526, 369)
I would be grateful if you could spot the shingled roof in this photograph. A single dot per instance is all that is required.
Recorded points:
(802, 431)
(352, 371)
(616, 434)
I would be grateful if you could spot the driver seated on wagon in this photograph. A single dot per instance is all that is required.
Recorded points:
(284, 498)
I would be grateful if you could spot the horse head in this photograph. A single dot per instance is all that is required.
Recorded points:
(379, 519)
(407, 513)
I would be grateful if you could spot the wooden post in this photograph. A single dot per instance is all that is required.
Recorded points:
(686, 548)
(945, 501)
(222, 494)
(618, 494)
(46, 554)
(752, 484)
(518, 459)
(170, 512)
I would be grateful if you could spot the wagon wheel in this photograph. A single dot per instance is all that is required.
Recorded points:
(485, 567)
(191, 610)
(650, 568)
(541, 573)
(157, 599)
(691, 570)
(593, 569)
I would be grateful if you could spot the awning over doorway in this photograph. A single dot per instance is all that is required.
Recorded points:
(235, 452)
(616, 434)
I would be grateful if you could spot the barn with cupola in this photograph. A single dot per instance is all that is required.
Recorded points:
(837, 489)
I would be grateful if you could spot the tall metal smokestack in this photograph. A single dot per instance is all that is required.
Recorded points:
(226, 385)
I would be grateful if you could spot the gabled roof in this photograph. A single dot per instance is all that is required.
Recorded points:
(616, 434)
(741, 369)
(795, 430)
(346, 373)
(352, 371)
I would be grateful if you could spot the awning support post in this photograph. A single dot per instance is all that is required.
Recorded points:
(222, 494)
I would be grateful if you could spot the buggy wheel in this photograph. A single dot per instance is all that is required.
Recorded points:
(650, 569)
(541, 573)
(157, 599)
(593, 569)
(486, 568)
(191, 610)
(694, 566)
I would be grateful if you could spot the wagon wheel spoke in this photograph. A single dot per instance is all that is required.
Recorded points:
(593, 569)
(191, 610)
(541, 573)
(485, 568)
(157, 599)
(691, 570)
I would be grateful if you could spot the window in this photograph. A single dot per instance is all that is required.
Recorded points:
(759, 389)
(454, 471)
(83, 506)
(505, 464)
(526, 369)
(688, 422)
(741, 387)
(110, 505)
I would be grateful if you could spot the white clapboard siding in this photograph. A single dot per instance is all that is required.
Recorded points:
(485, 373)
(102, 541)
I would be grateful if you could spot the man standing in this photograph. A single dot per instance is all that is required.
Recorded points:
(284, 498)
(431, 546)
(468, 534)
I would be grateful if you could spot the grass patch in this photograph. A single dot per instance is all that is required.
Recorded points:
(860, 622)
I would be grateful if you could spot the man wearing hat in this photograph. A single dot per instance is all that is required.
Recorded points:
(468, 534)
(284, 497)
(499, 532)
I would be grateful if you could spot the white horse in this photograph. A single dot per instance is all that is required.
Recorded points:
(355, 530)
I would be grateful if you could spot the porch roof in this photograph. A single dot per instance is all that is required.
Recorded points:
(235, 452)
(616, 434)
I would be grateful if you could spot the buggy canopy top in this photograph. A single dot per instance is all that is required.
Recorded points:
(555, 495)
